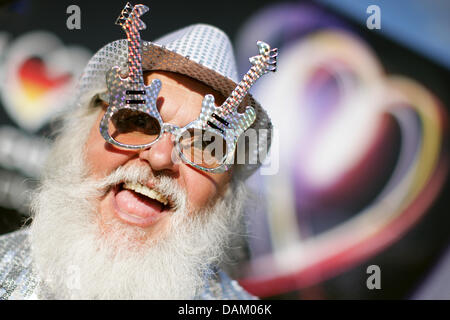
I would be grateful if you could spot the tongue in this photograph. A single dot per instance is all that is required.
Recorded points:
(138, 205)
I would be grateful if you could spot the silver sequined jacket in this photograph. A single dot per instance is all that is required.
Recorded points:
(18, 281)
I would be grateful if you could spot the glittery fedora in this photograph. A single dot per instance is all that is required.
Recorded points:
(200, 51)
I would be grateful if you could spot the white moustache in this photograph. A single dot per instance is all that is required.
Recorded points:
(164, 187)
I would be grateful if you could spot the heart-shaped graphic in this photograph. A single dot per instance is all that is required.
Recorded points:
(36, 81)
(332, 151)
(42, 74)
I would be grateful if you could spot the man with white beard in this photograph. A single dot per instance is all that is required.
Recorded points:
(117, 217)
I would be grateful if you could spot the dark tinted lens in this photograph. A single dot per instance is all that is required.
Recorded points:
(203, 148)
(133, 127)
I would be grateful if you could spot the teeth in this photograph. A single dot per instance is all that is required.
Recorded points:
(139, 188)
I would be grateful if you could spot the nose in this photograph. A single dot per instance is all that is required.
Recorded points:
(159, 155)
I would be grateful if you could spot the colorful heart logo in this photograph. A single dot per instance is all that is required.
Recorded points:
(341, 114)
(41, 74)
(36, 80)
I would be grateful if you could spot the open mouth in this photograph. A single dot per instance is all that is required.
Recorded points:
(139, 205)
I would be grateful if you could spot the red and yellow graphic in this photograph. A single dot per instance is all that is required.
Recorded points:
(40, 75)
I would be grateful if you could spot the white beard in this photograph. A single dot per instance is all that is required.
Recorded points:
(76, 260)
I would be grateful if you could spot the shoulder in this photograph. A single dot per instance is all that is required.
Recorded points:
(19, 235)
(13, 244)
(15, 263)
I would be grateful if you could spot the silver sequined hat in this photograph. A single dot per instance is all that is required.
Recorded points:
(200, 51)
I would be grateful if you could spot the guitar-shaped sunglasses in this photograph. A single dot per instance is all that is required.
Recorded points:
(132, 120)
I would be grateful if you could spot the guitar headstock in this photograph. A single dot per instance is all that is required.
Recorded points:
(130, 16)
(267, 58)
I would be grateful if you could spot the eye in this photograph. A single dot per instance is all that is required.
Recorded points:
(133, 127)
(127, 120)
(204, 148)
(141, 121)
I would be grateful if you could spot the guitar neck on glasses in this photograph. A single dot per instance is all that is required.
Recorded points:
(261, 64)
(129, 20)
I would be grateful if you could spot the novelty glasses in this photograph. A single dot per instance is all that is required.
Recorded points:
(132, 120)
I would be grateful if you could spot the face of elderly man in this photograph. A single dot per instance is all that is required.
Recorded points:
(179, 103)
(114, 222)
(94, 237)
